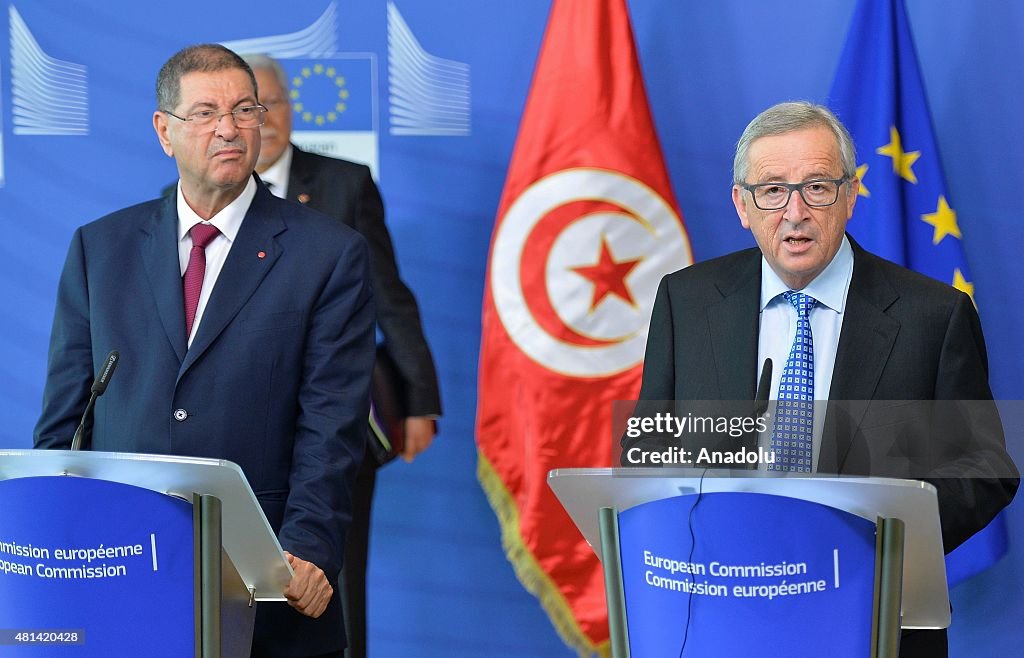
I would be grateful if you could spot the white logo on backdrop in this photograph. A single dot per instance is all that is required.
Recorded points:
(429, 95)
(49, 96)
(320, 39)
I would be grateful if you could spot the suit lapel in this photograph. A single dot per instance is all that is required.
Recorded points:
(734, 324)
(865, 343)
(242, 273)
(160, 259)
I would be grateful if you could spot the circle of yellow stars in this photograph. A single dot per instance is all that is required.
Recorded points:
(305, 76)
(943, 219)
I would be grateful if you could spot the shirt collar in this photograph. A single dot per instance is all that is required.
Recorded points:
(227, 221)
(277, 173)
(828, 288)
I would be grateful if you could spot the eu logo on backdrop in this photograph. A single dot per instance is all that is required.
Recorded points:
(334, 108)
(331, 93)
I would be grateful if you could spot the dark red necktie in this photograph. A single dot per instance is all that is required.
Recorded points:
(192, 282)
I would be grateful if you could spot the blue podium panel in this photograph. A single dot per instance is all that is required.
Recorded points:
(743, 574)
(94, 568)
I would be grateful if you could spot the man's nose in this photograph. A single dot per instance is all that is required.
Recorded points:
(226, 129)
(796, 210)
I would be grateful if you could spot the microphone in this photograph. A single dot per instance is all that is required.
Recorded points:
(763, 389)
(99, 386)
(764, 385)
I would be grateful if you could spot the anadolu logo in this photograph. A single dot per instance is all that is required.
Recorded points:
(575, 268)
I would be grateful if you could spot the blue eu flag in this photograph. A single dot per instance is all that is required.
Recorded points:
(331, 93)
(906, 214)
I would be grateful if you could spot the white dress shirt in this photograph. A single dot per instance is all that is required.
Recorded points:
(778, 329)
(277, 174)
(227, 221)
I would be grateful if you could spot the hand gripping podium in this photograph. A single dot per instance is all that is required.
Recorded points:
(738, 562)
(131, 555)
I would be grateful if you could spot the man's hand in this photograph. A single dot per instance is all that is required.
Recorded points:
(308, 591)
(419, 432)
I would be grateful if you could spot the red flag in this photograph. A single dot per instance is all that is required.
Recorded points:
(586, 228)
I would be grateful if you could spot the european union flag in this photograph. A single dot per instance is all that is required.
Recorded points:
(333, 93)
(906, 215)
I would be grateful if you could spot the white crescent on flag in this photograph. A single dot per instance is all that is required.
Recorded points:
(602, 307)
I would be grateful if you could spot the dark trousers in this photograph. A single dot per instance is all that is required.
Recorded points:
(353, 573)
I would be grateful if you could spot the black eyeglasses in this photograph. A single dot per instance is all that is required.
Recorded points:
(249, 116)
(816, 193)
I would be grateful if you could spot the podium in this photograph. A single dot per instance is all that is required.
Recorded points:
(687, 519)
(132, 554)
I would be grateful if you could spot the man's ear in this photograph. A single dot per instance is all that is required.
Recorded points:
(740, 202)
(162, 128)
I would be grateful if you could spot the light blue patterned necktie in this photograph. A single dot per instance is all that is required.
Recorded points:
(792, 440)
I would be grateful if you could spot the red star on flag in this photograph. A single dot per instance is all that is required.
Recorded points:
(608, 276)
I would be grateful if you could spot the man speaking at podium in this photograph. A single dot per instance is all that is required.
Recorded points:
(245, 328)
(837, 322)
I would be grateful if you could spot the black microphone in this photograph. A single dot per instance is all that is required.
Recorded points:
(763, 388)
(98, 388)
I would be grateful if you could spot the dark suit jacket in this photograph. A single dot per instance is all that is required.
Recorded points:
(904, 337)
(345, 190)
(276, 379)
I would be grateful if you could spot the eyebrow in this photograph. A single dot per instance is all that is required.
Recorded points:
(247, 100)
(817, 175)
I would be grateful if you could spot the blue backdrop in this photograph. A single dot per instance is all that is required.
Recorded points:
(439, 109)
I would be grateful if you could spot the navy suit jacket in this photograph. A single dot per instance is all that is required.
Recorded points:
(904, 337)
(276, 379)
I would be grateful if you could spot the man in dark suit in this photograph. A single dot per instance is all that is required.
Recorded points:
(245, 327)
(839, 324)
(345, 190)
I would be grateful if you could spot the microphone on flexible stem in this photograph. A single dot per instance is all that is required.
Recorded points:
(763, 388)
(98, 387)
(764, 385)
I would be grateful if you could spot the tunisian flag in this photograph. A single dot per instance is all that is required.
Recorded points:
(586, 228)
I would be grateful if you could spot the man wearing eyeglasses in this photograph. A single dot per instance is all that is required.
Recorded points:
(838, 323)
(245, 327)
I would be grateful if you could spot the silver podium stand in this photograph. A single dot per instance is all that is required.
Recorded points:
(923, 597)
(238, 559)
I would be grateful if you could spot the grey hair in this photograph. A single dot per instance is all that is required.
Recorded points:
(786, 118)
(261, 61)
(204, 58)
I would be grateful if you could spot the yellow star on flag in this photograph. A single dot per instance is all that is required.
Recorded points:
(962, 284)
(861, 172)
(902, 161)
(944, 221)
